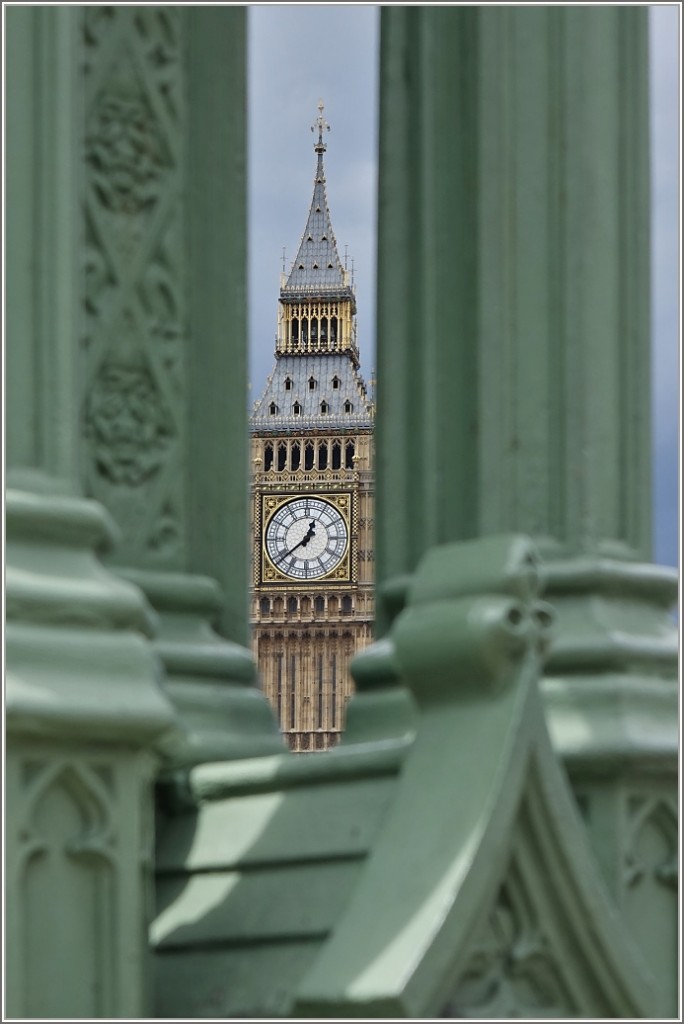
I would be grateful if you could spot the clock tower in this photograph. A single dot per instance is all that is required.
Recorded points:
(312, 492)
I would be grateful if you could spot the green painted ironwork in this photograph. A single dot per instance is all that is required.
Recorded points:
(162, 363)
(436, 862)
(83, 703)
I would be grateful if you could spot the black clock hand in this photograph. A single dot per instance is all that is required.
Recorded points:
(302, 543)
(310, 533)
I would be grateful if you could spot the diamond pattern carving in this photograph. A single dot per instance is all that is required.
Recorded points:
(134, 301)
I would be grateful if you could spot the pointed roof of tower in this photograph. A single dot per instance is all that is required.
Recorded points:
(317, 269)
(313, 392)
(316, 384)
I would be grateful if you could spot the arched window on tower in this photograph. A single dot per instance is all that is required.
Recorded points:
(336, 383)
(337, 455)
(273, 408)
(288, 383)
(295, 455)
(297, 409)
(324, 331)
(305, 331)
(309, 455)
(282, 456)
(333, 329)
(349, 452)
(268, 456)
(325, 408)
(314, 329)
(312, 383)
(322, 454)
(348, 407)
(294, 330)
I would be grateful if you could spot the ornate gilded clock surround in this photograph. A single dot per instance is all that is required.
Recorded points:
(343, 572)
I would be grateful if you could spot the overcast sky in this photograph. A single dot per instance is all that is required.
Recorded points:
(299, 54)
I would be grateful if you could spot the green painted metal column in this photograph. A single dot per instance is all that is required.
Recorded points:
(84, 708)
(513, 380)
(163, 355)
(514, 281)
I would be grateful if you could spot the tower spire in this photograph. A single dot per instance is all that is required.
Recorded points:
(317, 271)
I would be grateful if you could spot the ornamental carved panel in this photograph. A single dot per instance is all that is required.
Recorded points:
(135, 320)
(67, 877)
(128, 423)
(512, 969)
(651, 884)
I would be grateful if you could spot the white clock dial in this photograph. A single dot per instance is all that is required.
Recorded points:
(306, 538)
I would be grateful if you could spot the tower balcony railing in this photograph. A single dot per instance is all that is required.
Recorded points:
(323, 422)
(329, 291)
(328, 618)
(317, 347)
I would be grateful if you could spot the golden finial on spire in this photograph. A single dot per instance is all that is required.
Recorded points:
(322, 126)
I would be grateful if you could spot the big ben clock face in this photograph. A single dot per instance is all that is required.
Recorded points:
(307, 537)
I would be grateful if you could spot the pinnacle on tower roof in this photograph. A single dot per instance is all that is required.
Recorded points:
(322, 126)
(317, 269)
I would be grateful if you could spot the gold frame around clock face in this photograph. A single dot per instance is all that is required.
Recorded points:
(305, 538)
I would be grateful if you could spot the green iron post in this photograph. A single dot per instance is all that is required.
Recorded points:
(163, 358)
(83, 703)
(513, 380)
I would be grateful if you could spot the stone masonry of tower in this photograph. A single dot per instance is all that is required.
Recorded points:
(312, 601)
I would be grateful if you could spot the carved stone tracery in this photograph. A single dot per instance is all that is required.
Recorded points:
(511, 971)
(67, 858)
(651, 850)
